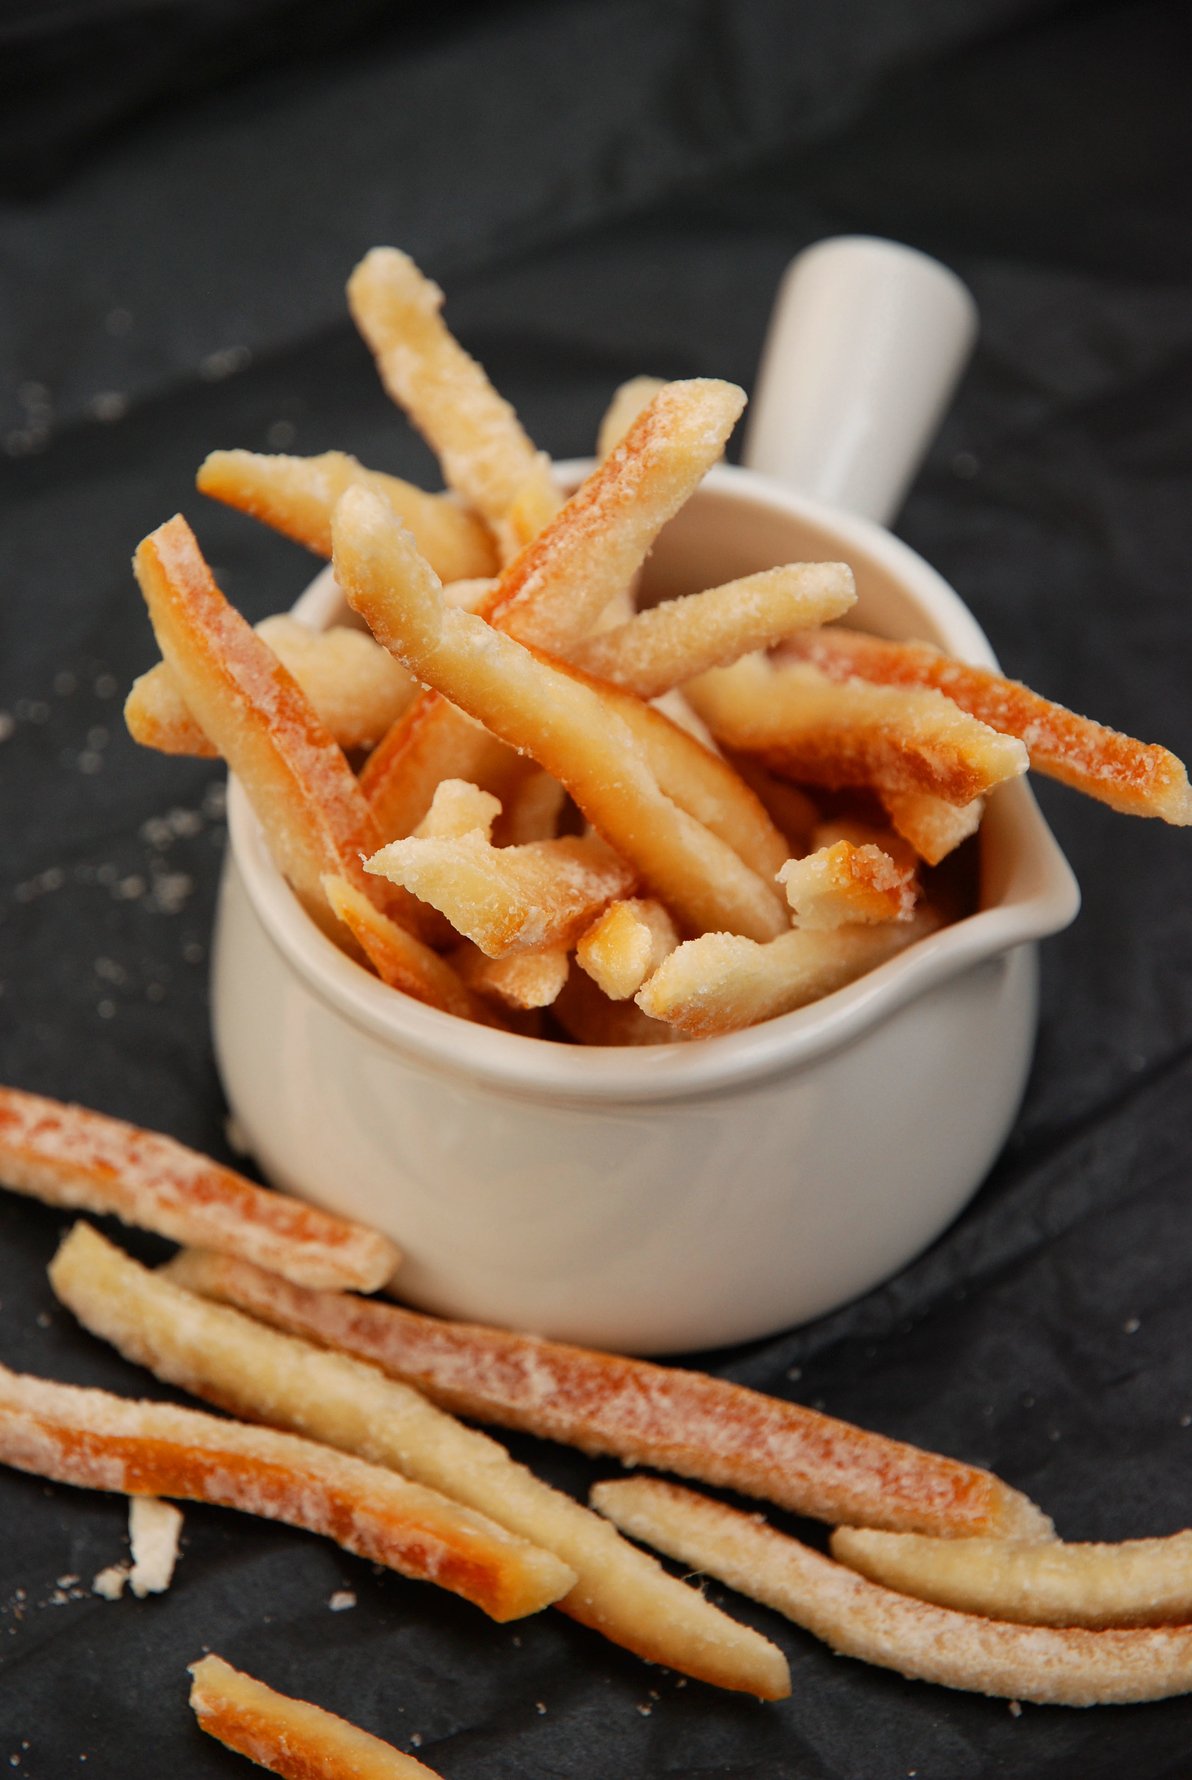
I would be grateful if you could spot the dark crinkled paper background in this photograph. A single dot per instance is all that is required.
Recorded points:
(604, 190)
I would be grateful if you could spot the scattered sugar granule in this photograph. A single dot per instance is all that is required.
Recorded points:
(1132, 1325)
(224, 363)
(341, 1600)
(7, 725)
(109, 405)
(153, 1530)
(1015, 1708)
(281, 434)
(540, 1707)
(415, 1739)
(184, 823)
(794, 1373)
(172, 891)
(110, 1582)
(1186, 1420)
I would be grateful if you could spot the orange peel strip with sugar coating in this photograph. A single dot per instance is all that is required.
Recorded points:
(700, 782)
(643, 1413)
(298, 495)
(932, 827)
(98, 1441)
(509, 899)
(1137, 778)
(558, 587)
(290, 1737)
(479, 441)
(587, 1015)
(628, 400)
(1059, 1667)
(532, 812)
(792, 811)
(722, 982)
(827, 732)
(459, 807)
(670, 643)
(84, 1161)
(518, 979)
(1137, 1582)
(625, 945)
(843, 882)
(314, 815)
(432, 741)
(255, 1371)
(356, 688)
(399, 959)
(828, 830)
(552, 714)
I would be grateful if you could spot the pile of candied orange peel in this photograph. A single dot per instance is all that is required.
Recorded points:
(655, 824)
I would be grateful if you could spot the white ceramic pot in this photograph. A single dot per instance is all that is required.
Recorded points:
(660, 1199)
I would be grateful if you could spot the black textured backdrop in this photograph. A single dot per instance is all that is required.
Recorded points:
(604, 189)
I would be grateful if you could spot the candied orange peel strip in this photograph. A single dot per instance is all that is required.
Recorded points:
(845, 882)
(356, 688)
(827, 732)
(298, 495)
(557, 589)
(1138, 1582)
(535, 897)
(313, 813)
(932, 827)
(290, 1737)
(517, 979)
(1067, 1666)
(625, 945)
(723, 982)
(399, 959)
(84, 1161)
(476, 435)
(1136, 778)
(588, 1016)
(642, 1413)
(98, 1441)
(628, 400)
(668, 644)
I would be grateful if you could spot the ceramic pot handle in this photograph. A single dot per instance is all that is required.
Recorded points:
(866, 343)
